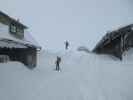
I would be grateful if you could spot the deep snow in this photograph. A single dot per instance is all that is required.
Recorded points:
(83, 77)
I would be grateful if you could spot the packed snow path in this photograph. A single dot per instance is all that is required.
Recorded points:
(82, 77)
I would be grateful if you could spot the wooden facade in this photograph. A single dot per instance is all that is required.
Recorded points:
(116, 42)
(17, 48)
(27, 56)
(13, 23)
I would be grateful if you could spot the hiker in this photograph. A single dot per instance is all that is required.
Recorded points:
(66, 45)
(58, 61)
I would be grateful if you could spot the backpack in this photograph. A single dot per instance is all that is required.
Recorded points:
(59, 59)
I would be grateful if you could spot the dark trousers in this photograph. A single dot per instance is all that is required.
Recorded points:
(57, 67)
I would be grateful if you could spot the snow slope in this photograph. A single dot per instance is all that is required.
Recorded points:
(83, 77)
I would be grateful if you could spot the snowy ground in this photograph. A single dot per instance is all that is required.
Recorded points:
(83, 77)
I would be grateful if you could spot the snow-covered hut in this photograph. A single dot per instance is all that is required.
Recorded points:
(116, 42)
(14, 44)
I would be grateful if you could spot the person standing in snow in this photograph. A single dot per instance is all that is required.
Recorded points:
(66, 45)
(58, 61)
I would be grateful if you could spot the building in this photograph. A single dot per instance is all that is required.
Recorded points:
(116, 42)
(13, 44)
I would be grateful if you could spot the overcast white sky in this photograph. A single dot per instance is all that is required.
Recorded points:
(82, 22)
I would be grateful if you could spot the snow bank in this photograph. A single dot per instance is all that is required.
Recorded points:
(83, 77)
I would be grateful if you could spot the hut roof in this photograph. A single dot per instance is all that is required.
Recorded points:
(4, 43)
(12, 19)
(6, 36)
(113, 34)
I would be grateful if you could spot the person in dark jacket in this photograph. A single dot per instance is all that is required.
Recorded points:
(66, 45)
(58, 61)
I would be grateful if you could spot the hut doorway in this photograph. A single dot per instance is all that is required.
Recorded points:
(4, 58)
(29, 60)
(15, 51)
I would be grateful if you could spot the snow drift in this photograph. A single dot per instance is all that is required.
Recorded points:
(83, 77)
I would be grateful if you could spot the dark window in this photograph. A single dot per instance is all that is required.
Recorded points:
(16, 30)
(20, 30)
(13, 28)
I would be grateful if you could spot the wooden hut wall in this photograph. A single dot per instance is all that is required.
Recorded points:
(112, 48)
(129, 40)
(28, 56)
(116, 42)
(31, 57)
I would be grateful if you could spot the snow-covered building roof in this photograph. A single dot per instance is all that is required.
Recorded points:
(5, 43)
(116, 42)
(12, 19)
(5, 34)
(113, 34)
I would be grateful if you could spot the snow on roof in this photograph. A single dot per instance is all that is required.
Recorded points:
(120, 27)
(4, 43)
(12, 19)
(22, 41)
(4, 34)
(112, 35)
(28, 37)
